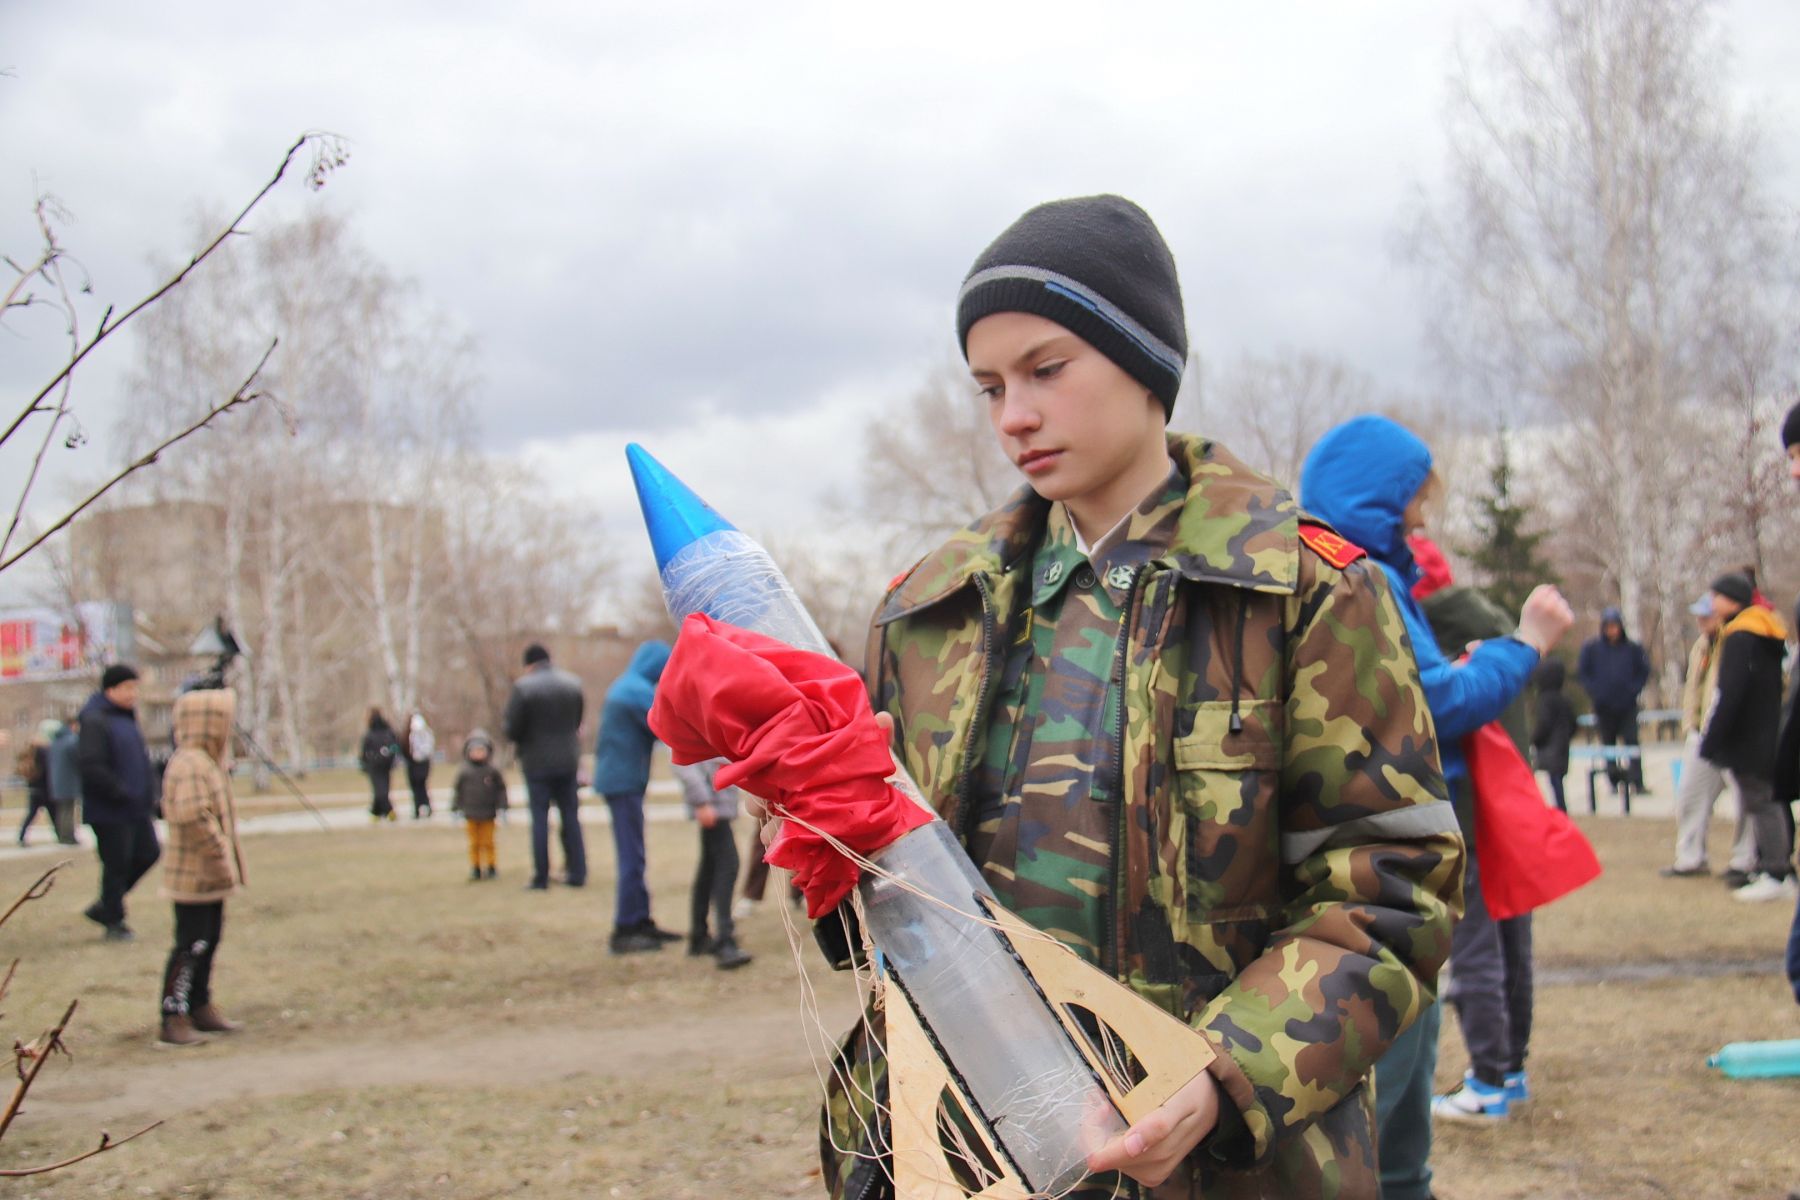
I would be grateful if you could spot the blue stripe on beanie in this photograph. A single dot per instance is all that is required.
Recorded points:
(1097, 266)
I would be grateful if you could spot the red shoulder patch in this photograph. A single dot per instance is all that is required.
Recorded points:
(1329, 546)
(899, 579)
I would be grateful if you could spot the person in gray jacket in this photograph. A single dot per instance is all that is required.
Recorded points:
(65, 779)
(543, 718)
(713, 809)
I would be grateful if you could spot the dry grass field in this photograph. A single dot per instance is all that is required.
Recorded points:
(414, 1035)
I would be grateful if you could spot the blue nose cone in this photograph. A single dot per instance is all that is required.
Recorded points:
(673, 515)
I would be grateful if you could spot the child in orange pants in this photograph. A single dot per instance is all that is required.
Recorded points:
(479, 797)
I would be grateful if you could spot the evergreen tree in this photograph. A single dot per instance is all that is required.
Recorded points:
(1506, 551)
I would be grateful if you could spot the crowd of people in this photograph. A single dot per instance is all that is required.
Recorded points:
(1210, 739)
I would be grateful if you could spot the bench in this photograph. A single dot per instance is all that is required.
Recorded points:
(1598, 759)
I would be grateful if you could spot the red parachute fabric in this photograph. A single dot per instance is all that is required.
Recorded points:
(799, 732)
(1530, 853)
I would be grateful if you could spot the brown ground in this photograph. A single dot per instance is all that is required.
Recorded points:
(415, 1035)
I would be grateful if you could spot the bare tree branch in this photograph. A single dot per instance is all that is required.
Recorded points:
(37, 891)
(242, 396)
(329, 154)
(37, 1054)
(106, 1143)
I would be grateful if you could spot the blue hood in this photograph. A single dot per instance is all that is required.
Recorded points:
(1359, 479)
(637, 686)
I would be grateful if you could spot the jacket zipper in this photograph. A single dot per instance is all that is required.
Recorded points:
(965, 779)
(1109, 946)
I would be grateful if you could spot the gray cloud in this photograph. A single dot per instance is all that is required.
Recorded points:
(650, 214)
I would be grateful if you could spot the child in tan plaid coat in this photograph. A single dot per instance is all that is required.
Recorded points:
(203, 863)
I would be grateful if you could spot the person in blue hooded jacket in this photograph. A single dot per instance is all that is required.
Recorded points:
(1613, 670)
(1371, 479)
(621, 775)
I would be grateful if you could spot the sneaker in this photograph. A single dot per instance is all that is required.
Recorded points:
(120, 933)
(700, 944)
(631, 941)
(1766, 887)
(1734, 878)
(474, 874)
(1471, 1101)
(493, 872)
(743, 907)
(1684, 872)
(1518, 1091)
(92, 912)
(537, 885)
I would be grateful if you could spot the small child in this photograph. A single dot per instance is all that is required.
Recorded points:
(480, 796)
(716, 876)
(1552, 727)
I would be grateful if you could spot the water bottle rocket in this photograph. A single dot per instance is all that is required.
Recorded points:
(981, 1007)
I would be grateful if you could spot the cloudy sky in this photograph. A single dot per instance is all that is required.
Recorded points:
(734, 231)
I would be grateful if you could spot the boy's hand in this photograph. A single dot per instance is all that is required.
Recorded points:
(707, 815)
(1150, 1150)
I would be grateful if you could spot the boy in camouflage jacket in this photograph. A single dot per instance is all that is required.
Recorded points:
(1178, 725)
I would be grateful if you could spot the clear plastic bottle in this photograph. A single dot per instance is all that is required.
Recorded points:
(1758, 1060)
(1044, 1104)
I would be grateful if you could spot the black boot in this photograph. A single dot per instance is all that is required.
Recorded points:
(631, 941)
(729, 954)
(474, 874)
(699, 944)
(493, 872)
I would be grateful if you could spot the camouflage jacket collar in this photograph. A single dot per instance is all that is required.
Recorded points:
(1238, 528)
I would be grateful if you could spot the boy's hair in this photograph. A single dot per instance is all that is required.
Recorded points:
(1097, 266)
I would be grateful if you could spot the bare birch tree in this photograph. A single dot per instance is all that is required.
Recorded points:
(1270, 409)
(933, 464)
(1603, 205)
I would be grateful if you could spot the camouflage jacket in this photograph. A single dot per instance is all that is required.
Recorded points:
(1286, 866)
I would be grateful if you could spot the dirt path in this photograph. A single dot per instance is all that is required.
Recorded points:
(766, 1042)
(769, 1042)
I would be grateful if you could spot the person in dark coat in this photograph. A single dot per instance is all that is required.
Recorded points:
(1552, 726)
(1612, 669)
(118, 789)
(380, 748)
(543, 717)
(1744, 725)
(621, 775)
(34, 767)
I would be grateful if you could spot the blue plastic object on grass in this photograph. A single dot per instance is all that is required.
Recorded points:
(1758, 1060)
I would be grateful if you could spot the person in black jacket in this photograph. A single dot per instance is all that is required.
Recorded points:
(543, 717)
(34, 768)
(1612, 669)
(118, 790)
(379, 750)
(1552, 727)
(1742, 727)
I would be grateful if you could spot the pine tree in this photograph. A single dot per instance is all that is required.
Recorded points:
(1506, 552)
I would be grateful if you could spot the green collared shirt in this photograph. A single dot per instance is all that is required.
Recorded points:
(1045, 794)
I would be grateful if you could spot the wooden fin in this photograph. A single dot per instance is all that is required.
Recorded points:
(1168, 1052)
(918, 1085)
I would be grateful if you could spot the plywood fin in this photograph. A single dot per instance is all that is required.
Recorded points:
(1169, 1051)
(917, 1083)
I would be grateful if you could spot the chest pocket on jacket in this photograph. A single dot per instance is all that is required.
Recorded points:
(1225, 785)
